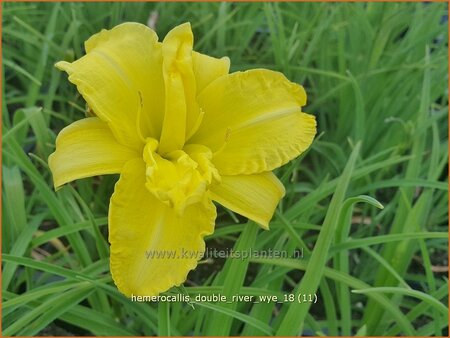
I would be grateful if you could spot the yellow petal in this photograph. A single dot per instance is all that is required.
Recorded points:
(144, 233)
(181, 111)
(174, 180)
(253, 122)
(87, 148)
(121, 79)
(253, 196)
(265, 146)
(207, 69)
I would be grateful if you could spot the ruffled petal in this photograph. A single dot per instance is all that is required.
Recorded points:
(253, 196)
(87, 148)
(120, 77)
(152, 247)
(265, 146)
(181, 111)
(253, 122)
(207, 69)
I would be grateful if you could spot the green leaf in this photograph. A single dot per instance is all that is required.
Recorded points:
(293, 321)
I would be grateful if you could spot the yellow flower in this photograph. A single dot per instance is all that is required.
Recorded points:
(182, 132)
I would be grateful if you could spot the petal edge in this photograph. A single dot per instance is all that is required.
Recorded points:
(87, 148)
(140, 224)
(253, 196)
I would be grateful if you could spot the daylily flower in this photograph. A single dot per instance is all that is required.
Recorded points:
(182, 132)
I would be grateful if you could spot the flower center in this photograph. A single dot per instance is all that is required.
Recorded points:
(181, 177)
